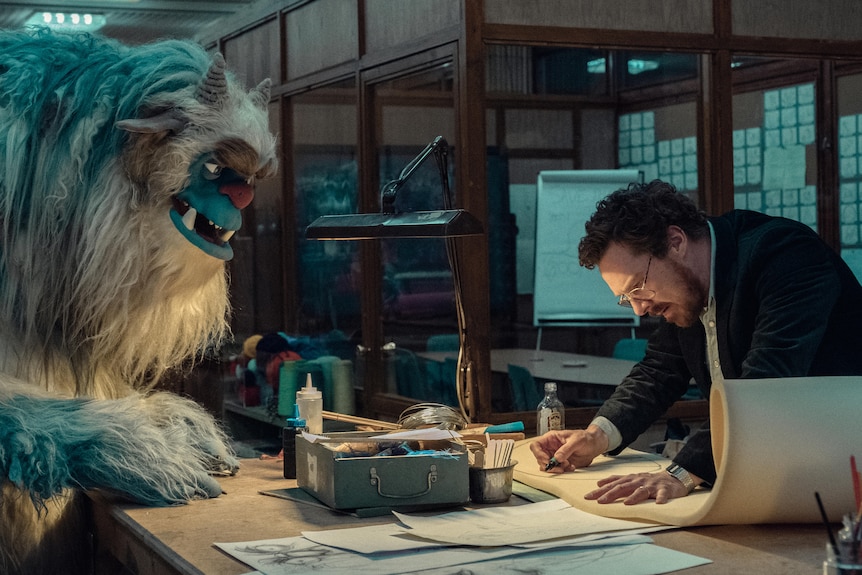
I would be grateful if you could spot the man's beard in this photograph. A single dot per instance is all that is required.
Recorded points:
(694, 297)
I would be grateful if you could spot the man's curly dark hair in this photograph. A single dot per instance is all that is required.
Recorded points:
(638, 217)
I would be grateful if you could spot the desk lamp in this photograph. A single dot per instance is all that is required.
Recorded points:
(448, 223)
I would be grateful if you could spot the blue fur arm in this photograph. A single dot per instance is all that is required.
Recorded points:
(48, 445)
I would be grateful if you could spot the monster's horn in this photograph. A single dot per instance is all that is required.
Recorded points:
(260, 93)
(214, 87)
(171, 121)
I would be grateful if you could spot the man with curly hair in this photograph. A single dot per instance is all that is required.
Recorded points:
(743, 296)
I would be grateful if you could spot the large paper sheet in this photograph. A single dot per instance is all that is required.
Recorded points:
(776, 443)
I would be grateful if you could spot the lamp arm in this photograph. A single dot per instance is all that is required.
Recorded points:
(390, 189)
(464, 373)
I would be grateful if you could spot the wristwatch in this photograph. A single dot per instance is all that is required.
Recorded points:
(682, 475)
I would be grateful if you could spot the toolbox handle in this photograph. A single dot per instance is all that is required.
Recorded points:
(377, 481)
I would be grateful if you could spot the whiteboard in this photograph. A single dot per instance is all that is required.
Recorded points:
(564, 293)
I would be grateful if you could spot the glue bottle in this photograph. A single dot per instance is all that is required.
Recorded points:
(551, 413)
(310, 402)
(295, 426)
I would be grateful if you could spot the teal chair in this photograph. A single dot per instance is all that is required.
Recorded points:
(630, 348)
(525, 391)
(443, 342)
(409, 378)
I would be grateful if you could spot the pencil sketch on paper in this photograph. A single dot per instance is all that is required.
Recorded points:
(637, 559)
(290, 555)
(293, 556)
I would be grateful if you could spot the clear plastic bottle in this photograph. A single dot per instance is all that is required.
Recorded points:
(551, 413)
(310, 402)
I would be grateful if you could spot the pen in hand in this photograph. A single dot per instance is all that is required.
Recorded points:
(551, 464)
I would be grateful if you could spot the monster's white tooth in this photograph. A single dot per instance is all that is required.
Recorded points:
(227, 235)
(189, 218)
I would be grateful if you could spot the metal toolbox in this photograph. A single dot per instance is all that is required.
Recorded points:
(381, 481)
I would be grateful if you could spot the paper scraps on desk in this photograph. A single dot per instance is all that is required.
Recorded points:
(331, 551)
(774, 445)
(395, 537)
(513, 525)
(300, 556)
(404, 444)
(425, 434)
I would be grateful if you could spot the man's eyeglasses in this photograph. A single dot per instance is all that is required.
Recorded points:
(638, 293)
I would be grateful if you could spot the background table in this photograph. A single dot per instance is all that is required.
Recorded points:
(178, 540)
(553, 365)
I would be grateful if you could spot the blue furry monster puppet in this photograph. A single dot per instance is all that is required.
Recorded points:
(123, 173)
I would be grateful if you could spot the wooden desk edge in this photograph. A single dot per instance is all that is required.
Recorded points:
(123, 542)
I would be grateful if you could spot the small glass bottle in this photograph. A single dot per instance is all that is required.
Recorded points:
(551, 413)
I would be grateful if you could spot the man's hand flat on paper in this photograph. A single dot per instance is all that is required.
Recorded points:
(638, 487)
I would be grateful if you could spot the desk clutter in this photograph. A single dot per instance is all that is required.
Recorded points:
(418, 463)
(369, 470)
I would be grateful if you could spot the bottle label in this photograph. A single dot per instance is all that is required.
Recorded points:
(550, 420)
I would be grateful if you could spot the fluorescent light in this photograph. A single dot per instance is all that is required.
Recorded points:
(637, 66)
(597, 66)
(77, 21)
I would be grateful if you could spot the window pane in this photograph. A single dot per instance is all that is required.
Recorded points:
(774, 155)
(324, 136)
(850, 170)
(418, 296)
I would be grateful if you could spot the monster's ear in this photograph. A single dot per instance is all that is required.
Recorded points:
(170, 121)
(260, 93)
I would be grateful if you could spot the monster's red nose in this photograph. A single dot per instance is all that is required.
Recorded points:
(240, 195)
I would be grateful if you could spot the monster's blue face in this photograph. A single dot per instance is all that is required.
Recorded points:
(208, 212)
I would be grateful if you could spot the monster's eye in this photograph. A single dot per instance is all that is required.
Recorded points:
(212, 170)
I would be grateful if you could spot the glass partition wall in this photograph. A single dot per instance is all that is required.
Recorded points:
(580, 109)
(546, 109)
(418, 303)
(737, 104)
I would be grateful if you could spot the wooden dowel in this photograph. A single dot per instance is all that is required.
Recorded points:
(359, 420)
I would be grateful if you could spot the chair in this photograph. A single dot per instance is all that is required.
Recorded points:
(525, 392)
(630, 348)
(443, 342)
(409, 378)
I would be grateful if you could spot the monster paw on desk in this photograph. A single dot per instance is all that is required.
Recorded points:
(352, 471)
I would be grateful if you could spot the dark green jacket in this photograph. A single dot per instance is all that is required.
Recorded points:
(786, 306)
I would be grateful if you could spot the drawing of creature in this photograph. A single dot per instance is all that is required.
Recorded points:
(123, 173)
(291, 555)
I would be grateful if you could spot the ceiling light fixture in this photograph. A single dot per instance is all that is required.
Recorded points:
(75, 21)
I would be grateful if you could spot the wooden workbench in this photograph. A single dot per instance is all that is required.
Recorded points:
(171, 540)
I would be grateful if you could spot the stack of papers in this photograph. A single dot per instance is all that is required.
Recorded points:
(549, 537)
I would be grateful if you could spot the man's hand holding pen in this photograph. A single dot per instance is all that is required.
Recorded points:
(569, 449)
